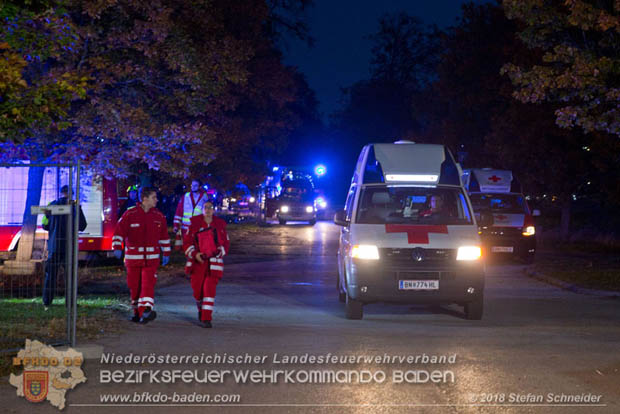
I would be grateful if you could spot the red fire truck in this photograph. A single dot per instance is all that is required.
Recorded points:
(98, 198)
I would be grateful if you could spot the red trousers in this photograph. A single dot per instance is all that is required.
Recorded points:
(203, 285)
(141, 283)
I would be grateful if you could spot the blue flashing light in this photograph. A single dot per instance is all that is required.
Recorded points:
(320, 202)
(320, 170)
(275, 169)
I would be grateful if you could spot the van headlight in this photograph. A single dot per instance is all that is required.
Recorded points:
(365, 251)
(309, 209)
(469, 253)
(529, 231)
(284, 209)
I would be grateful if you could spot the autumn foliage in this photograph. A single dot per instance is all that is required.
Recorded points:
(129, 85)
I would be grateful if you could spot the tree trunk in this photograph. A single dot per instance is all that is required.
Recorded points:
(33, 198)
(565, 218)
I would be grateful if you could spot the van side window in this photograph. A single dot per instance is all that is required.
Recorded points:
(348, 207)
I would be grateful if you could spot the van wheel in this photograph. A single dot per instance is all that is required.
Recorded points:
(528, 258)
(354, 308)
(282, 222)
(312, 222)
(473, 310)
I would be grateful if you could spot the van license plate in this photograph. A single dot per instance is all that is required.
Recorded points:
(418, 284)
(502, 249)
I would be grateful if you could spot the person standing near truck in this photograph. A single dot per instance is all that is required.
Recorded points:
(57, 244)
(144, 233)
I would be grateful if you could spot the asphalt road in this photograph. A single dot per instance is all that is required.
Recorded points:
(277, 299)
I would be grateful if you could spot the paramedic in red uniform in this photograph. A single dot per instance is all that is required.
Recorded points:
(205, 244)
(143, 231)
(189, 206)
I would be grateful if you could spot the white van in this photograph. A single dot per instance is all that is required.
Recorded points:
(498, 193)
(408, 234)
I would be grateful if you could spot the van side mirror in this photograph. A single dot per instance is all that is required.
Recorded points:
(536, 213)
(486, 219)
(340, 218)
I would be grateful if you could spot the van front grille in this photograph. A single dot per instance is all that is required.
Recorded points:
(418, 257)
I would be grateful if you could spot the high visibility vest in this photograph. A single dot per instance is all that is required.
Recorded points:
(189, 207)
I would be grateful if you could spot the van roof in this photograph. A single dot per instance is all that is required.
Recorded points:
(407, 162)
(488, 180)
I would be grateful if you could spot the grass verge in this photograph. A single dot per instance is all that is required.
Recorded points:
(27, 318)
(586, 267)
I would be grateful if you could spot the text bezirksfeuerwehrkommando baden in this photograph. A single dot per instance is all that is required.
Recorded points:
(275, 358)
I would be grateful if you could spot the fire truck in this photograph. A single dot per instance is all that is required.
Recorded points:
(98, 198)
(289, 195)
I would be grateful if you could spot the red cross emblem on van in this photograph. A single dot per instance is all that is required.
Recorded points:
(495, 178)
(416, 234)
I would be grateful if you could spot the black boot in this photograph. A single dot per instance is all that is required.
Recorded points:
(148, 316)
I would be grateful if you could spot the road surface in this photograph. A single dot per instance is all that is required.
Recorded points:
(537, 349)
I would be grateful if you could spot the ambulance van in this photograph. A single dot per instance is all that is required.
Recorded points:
(498, 193)
(408, 233)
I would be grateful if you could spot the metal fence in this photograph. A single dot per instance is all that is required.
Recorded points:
(38, 253)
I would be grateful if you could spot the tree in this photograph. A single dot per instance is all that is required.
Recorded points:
(379, 108)
(468, 92)
(473, 111)
(163, 82)
(273, 102)
(580, 63)
(404, 51)
(35, 92)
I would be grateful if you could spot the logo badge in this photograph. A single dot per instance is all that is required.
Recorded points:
(418, 254)
(35, 385)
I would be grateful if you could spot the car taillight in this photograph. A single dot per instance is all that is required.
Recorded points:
(528, 226)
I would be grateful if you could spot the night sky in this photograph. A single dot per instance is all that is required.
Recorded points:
(341, 53)
(340, 57)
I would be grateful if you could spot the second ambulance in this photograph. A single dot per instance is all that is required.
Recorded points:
(498, 193)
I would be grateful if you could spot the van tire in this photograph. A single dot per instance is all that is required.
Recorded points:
(354, 309)
(282, 222)
(528, 258)
(474, 310)
(312, 222)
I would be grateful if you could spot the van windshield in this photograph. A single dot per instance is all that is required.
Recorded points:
(499, 203)
(412, 205)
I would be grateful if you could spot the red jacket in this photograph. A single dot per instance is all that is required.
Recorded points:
(191, 247)
(145, 236)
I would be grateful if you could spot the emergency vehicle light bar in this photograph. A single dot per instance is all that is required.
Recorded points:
(411, 177)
